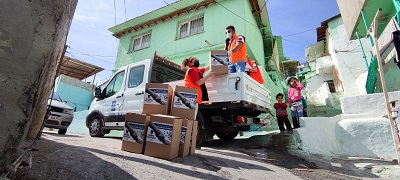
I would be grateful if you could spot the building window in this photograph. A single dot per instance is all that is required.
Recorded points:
(141, 42)
(191, 27)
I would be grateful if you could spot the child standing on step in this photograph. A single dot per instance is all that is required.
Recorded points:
(281, 114)
(295, 103)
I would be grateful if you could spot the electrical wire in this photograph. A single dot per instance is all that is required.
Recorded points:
(264, 5)
(236, 14)
(173, 36)
(169, 4)
(90, 55)
(126, 19)
(298, 33)
(294, 42)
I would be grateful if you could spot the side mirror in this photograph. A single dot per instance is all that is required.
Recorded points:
(97, 93)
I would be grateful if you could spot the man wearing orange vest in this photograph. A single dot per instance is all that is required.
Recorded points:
(236, 47)
(194, 77)
(253, 71)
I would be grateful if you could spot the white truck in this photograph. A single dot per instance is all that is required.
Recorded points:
(235, 99)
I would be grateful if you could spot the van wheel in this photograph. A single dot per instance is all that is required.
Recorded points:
(62, 131)
(227, 135)
(95, 126)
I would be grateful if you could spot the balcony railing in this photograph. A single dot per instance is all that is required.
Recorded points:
(315, 51)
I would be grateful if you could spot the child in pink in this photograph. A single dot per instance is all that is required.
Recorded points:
(295, 103)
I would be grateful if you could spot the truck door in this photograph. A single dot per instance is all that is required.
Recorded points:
(113, 99)
(134, 92)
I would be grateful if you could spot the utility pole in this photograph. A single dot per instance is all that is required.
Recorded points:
(393, 126)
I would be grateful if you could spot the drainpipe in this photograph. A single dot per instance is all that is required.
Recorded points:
(362, 48)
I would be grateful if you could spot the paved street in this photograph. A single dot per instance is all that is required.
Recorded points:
(81, 157)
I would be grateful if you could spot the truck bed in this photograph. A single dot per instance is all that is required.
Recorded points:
(235, 88)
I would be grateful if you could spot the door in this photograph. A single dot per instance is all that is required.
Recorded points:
(134, 92)
(112, 102)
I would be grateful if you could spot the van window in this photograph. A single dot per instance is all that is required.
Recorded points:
(135, 76)
(115, 84)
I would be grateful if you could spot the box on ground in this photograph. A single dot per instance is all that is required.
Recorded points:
(219, 61)
(186, 136)
(163, 136)
(157, 99)
(194, 137)
(184, 102)
(135, 131)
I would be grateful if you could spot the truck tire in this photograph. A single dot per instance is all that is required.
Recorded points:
(62, 131)
(201, 133)
(96, 126)
(225, 136)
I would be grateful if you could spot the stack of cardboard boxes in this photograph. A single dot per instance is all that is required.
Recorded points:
(167, 128)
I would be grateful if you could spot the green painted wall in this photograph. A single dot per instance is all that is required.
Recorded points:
(216, 19)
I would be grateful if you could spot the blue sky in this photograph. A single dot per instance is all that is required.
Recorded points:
(90, 41)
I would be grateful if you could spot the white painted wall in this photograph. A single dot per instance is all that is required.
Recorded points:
(366, 135)
(323, 62)
(347, 57)
(371, 103)
(317, 91)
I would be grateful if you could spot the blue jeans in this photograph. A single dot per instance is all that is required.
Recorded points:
(236, 67)
(297, 112)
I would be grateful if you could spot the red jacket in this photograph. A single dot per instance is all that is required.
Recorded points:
(280, 109)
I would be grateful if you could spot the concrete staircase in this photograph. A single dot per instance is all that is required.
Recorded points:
(318, 110)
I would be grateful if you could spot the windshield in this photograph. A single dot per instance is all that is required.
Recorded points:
(55, 97)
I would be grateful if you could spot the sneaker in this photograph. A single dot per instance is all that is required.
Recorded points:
(282, 132)
(291, 132)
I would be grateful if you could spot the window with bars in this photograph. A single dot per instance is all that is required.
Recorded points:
(191, 27)
(140, 42)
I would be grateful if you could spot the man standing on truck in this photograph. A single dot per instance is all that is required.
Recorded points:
(236, 47)
(194, 77)
(253, 71)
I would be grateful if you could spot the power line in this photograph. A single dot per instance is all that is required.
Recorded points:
(178, 27)
(295, 42)
(236, 14)
(73, 56)
(96, 55)
(91, 56)
(298, 33)
(169, 4)
(264, 5)
(126, 19)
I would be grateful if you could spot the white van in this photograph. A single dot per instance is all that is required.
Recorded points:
(235, 99)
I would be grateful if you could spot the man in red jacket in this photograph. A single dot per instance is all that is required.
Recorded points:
(281, 115)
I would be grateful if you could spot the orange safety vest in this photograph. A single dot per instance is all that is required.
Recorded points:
(256, 75)
(189, 83)
(239, 55)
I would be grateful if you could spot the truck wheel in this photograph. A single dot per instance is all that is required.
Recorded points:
(201, 133)
(227, 135)
(62, 131)
(95, 126)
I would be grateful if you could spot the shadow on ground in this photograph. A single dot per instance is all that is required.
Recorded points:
(296, 161)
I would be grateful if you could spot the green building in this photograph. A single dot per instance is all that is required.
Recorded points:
(193, 27)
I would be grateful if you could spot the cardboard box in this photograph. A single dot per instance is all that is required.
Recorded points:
(194, 137)
(163, 136)
(184, 102)
(219, 61)
(186, 136)
(157, 99)
(135, 131)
